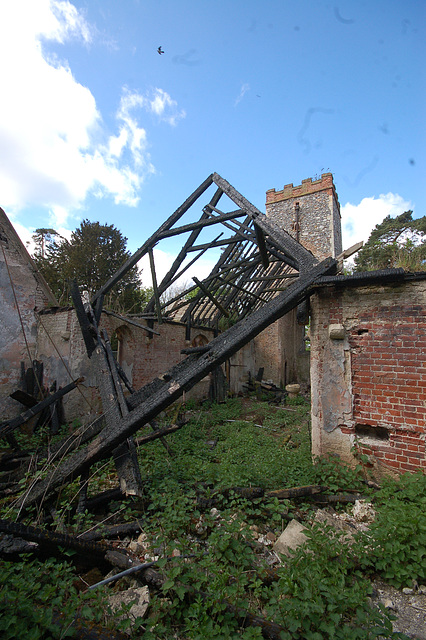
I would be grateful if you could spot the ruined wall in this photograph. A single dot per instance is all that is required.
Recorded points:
(61, 348)
(22, 292)
(368, 374)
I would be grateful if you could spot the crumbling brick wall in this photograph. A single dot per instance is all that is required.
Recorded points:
(61, 348)
(368, 374)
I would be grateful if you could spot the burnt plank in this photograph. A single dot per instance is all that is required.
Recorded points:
(24, 398)
(203, 222)
(11, 425)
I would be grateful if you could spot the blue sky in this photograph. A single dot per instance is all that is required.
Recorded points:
(94, 123)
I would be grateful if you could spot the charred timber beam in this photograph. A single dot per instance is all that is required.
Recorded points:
(156, 396)
(154, 286)
(8, 427)
(260, 238)
(198, 350)
(97, 308)
(154, 238)
(240, 227)
(211, 297)
(129, 321)
(102, 532)
(87, 329)
(214, 244)
(204, 222)
(302, 256)
(24, 398)
(171, 275)
(283, 276)
(125, 457)
(52, 538)
(113, 402)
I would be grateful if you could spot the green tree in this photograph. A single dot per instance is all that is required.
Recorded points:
(93, 254)
(395, 242)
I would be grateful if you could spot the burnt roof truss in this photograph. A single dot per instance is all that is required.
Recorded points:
(256, 259)
(245, 283)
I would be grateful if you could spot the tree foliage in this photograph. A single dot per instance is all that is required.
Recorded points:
(93, 254)
(395, 242)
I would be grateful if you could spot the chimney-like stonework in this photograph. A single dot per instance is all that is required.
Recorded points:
(310, 213)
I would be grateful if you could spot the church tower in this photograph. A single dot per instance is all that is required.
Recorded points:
(310, 213)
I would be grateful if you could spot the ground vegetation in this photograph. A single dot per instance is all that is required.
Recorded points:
(211, 512)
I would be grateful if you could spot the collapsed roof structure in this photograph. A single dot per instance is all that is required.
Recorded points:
(258, 257)
(261, 274)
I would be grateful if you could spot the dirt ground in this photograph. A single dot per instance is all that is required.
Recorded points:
(409, 609)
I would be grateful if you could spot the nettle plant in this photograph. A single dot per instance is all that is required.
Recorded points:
(396, 540)
(38, 600)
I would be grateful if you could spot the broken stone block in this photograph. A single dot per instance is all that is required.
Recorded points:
(140, 599)
(293, 390)
(336, 332)
(291, 538)
(363, 511)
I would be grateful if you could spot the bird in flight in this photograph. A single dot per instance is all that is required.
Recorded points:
(160, 50)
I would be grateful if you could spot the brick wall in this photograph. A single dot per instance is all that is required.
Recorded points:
(61, 348)
(368, 374)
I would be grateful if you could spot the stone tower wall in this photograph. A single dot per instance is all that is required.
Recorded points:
(310, 213)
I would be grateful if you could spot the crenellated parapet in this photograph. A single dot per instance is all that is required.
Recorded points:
(310, 213)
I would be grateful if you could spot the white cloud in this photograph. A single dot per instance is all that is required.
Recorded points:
(244, 88)
(55, 148)
(164, 107)
(359, 220)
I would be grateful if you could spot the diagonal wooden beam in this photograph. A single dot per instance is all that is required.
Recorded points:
(260, 238)
(201, 224)
(154, 238)
(302, 256)
(166, 281)
(211, 297)
(154, 286)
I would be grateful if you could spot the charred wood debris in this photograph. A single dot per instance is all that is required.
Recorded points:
(262, 273)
